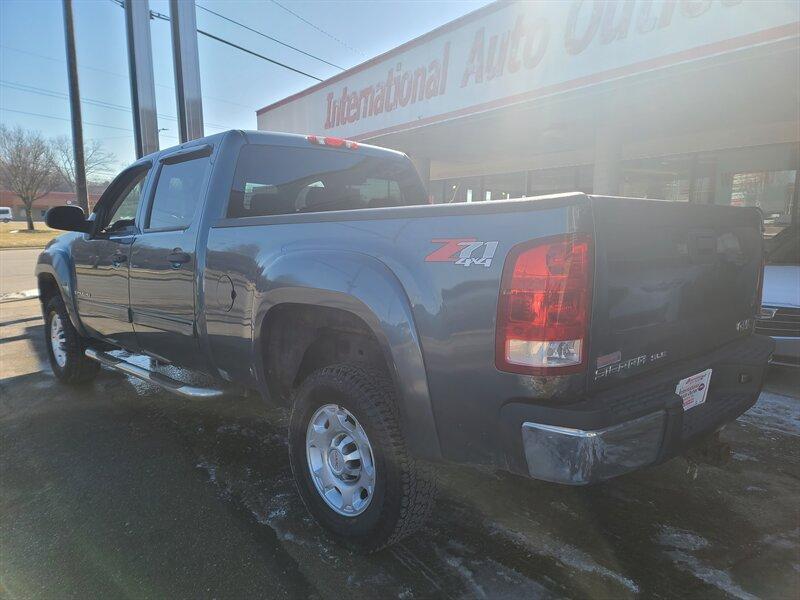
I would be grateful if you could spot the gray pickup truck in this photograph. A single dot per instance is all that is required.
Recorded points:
(568, 338)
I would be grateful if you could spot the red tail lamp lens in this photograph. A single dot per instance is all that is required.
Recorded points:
(544, 306)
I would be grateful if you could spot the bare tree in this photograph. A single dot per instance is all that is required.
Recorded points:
(26, 166)
(96, 159)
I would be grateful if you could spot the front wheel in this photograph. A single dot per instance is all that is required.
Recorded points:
(350, 460)
(65, 346)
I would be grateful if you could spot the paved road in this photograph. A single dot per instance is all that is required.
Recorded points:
(16, 269)
(118, 490)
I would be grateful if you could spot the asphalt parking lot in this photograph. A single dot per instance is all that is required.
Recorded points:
(119, 490)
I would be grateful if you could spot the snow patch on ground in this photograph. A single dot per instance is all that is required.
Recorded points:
(209, 468)
(742, 457)
(719, 579)
(680, 539)
(775, 413)
(787, 540)
(568, 555)
(23, 295)
(486, 578)
(683, 542)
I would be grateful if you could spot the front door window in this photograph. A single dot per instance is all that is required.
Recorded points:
(123, 213)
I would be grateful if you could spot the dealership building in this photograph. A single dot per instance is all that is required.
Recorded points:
(684, 100)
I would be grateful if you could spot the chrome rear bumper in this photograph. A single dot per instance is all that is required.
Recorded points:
(578, 457)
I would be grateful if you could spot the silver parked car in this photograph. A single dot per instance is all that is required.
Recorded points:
(780, 314)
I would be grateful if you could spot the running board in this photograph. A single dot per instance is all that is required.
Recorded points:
(167, 383)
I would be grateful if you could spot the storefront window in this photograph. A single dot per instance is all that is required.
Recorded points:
(504, 186)
(437, 191)
(771, 191)
(665, 178)
(764, 177)
(467, 189)
(760, 176)
(553, 181)
(585, 178)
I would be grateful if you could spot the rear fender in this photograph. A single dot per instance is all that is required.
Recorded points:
(367, 288)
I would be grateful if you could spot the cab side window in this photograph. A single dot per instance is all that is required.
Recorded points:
(123, 212)
(178, 194)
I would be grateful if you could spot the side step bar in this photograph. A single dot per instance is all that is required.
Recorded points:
(167, 383)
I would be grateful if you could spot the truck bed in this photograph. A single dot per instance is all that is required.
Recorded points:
(671, 282)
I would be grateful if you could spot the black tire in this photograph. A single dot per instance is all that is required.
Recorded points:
(77, 368)
(405, 488)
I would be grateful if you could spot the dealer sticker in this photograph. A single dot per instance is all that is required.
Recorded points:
(693, 390)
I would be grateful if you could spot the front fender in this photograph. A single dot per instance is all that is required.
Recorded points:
(56, 262)
(367, 288)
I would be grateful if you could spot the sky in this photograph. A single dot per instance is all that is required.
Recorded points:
(33, 79)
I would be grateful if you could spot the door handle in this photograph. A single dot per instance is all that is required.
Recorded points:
(177, 257)
(118, 259)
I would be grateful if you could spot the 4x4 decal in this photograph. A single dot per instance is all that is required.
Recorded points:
(463, 251)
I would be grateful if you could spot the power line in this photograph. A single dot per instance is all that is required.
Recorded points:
(162, 17)
(269, 37)
(280, 64)
(120, 75)
(33, 114)
(307, 22)
(99, 103)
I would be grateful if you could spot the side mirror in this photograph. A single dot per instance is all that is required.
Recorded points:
(67, 218)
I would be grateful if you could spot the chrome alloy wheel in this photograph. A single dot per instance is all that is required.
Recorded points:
(58, 340)
(340, 460)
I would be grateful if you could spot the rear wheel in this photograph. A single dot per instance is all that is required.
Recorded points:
(350, 460)
(65, 346)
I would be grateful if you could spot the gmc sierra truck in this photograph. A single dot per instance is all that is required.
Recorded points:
(569, 338)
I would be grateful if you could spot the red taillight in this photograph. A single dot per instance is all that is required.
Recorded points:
(333, 142)
(544, 306)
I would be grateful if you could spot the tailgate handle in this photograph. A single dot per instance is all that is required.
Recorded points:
(703, 244)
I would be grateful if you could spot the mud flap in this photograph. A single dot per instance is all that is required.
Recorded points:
(673, 429)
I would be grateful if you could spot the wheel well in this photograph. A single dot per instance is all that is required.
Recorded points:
(298, 339)
(48, 287)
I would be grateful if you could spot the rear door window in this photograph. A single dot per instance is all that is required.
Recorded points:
(276, 180)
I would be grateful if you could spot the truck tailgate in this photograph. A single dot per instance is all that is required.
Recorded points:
(672, 281)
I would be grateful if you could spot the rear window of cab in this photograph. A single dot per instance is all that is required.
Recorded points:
(279, 180)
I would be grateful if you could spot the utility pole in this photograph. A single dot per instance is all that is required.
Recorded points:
(187, 69)
(142, 81)
(75, 108)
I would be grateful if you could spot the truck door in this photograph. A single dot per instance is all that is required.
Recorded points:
(163, 259)
(101, 260)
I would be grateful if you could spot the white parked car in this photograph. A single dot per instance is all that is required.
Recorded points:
(5, 214)
(780, 315)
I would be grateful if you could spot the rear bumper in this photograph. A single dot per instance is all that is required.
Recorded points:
(638, 424)
(578, 457)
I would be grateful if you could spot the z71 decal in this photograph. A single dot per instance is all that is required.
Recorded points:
(463, 251)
